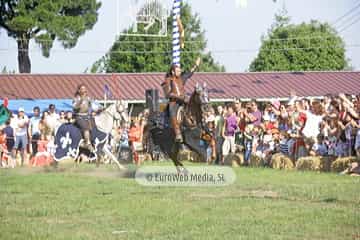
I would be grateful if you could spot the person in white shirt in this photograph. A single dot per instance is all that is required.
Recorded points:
(34, 131)
(53, 119)
(313, 120)
(312, 125)
(21, 136)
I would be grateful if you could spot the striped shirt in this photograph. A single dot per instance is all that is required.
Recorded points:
(284, 147)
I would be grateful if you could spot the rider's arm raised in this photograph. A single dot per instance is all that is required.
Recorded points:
(187, 75)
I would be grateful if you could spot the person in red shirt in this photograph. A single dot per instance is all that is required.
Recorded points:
(135, 140)
(2, 145)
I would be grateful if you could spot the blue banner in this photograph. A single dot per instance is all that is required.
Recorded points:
(67, 141)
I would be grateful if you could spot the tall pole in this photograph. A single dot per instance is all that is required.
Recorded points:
(176, 34)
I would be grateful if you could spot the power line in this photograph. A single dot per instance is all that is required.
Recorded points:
(188, 51)
(215, 51)
(346, 14)
(349, 19)
(191, 44)
(349, 25)
(191, 41)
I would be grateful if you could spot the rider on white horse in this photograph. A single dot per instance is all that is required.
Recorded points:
(83, 120)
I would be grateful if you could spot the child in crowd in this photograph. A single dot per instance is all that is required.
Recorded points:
(268, 145)
(276, 139)
(135, 141)
(256, 141)
(209, 138)
(319, 148)
(42, 157)
(248, 142)
(284, 143)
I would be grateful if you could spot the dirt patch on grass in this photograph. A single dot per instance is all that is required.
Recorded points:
(103, 171)
(106, 173)
(237, 194)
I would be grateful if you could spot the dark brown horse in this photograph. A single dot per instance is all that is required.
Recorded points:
(191, 117)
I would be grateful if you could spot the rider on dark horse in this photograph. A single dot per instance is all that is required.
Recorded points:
(83, 119)
(174, 90)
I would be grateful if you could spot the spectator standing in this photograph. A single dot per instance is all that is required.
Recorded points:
(44, 128)
(135, 140)
(229, 132)
(34, 131)
(248, 142)
(53, 119)
(21, 137)
(219, 128)
(62, 118)
(255, 113)
(2, 145)
(312, 125)
(69, 117)
(10, 139)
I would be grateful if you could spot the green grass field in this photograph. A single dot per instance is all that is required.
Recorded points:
(90, 203)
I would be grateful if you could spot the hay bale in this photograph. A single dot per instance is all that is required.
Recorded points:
(280, 161)
(233, 160)
(308, 163)
(276, 160)
(189, 156)
(340, 164)
(287, 163)
(325, 163)
(256, 161)
(185, 155)
(146, 157)
(240, 157)
(66, 161)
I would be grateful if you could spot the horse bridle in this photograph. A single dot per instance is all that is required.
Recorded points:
(113, 115)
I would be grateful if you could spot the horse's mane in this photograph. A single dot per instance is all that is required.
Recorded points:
(105, 119)
(194, 107)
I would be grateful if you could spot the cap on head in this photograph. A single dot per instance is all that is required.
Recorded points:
(276, 104)
(211, 118)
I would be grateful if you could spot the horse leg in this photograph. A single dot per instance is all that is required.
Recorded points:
(97, 161)
(113, 158)
(76, 161)
(179, 166)
(213, 150)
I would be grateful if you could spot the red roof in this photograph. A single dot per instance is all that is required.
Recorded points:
(221, 85)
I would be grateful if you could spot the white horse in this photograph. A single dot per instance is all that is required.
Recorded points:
(105, 122)
(68, 138)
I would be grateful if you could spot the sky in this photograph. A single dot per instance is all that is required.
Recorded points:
(233, 31)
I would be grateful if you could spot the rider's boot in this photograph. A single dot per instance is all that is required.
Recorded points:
(176, 127)
(87, 140)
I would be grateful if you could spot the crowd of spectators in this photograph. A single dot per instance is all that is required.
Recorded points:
(30, 138)
(327, 126)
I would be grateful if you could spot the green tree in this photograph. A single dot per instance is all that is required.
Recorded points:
(44, 21)
(145, 54)
(6, 71)
(310, 46)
